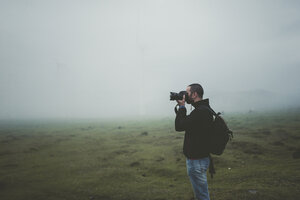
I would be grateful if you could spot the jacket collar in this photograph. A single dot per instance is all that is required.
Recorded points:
(204, 102)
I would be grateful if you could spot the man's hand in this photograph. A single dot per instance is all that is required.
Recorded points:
(181, 102)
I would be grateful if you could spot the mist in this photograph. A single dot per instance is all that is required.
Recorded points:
(116, 58)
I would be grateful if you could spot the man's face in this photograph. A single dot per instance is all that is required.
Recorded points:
(188, 90)
(189, 98)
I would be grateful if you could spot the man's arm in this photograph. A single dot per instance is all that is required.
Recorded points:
(196, 118)
(180, 114)
(180, 119)
(183, 121)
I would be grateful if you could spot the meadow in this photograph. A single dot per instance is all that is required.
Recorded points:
(93, 159)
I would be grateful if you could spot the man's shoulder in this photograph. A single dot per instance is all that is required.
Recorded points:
(202, 110)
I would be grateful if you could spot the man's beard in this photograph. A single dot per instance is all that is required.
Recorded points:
(188, 99)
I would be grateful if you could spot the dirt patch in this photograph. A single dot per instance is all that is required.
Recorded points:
(145, 133)
(121, 152)
(87, 128)
(61, 140)
(135, 164)
(159, 159)
(32, 150)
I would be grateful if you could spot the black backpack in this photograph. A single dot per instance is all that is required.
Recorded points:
(220, 134)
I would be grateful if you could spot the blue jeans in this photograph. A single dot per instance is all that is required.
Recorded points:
(196, 170)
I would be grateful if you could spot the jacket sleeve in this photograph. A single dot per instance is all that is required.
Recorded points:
(182, 121)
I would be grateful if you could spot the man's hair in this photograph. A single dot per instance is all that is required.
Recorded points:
(196, 87)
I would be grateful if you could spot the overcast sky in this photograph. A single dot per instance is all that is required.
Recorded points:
(106, 58)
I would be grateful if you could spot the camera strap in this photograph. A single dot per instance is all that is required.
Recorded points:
(176, 109)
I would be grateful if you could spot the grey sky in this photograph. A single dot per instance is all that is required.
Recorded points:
(122, 57)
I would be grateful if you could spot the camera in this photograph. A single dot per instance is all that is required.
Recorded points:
(177, 96)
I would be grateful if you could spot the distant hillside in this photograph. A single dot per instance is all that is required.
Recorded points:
(253, 100)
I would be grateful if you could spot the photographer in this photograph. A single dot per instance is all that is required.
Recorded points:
(195, 147)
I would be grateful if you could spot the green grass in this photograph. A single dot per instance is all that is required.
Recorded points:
(142, 159)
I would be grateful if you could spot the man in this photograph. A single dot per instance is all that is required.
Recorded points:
(195, 147)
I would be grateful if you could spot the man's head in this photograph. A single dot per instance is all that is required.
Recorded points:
(194, 92)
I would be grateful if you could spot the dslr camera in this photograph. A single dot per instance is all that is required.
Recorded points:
(177, 96)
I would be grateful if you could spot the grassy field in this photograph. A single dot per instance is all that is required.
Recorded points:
(142, 159)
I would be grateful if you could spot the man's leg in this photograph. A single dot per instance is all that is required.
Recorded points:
(196, 170)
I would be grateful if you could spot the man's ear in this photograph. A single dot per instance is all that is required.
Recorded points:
(194, 95)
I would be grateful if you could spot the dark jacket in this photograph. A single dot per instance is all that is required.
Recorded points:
(196, 126)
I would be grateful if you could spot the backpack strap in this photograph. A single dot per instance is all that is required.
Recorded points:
(211, 110)
(211, 170)
(218, 114)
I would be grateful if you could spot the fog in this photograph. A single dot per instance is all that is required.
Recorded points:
(121, 58)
